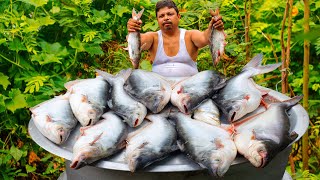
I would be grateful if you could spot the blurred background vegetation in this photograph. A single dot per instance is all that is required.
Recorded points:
(46, 43)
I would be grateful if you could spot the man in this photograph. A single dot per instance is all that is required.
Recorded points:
(173, 51)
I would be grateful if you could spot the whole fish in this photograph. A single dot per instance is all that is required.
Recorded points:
(134, 42)
(207, 112)
(88, 99)
(152, 142)
(241, 95)
(54, 119)
(217, 41)
(99, 141)
(260, 137)
(210, 146)
(132, 111)
(149, 88)
(188, 94)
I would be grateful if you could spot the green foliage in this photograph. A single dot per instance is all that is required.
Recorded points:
(46, 43)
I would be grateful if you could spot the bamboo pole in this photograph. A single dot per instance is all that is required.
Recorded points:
(247, 10)
(284, 73)
(305, 156)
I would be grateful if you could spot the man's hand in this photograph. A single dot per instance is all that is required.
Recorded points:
(134, 25)
(216, 20)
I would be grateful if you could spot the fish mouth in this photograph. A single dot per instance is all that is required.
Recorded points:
(185, 109)
(78, 163)
(263, 156)
(89, 123)
(136, 122)
(233, 116)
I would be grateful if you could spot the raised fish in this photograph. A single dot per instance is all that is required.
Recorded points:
(54, 119)
(241, 95)
(149, 88)
(260, 137)
(217, 41)
(134, 42)
(207, 112)
(101, 140)
(188, 94)
(210, 146)
(132, 111)
(150, 143)
(88, 99)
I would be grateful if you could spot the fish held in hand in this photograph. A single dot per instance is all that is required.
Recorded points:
(217, 41)
(151, 143)
(99, 141)
(241, 95)
(149, 88)
(188, 94)
(210, 146)
(134, 42)
(132, 111)
(88, 99)
(54, 119)
(260, 137)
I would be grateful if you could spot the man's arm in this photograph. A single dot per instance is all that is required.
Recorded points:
(201, 38)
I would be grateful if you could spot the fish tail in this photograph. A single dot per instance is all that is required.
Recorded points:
(125, 73)
(106, 76)
(255, 63)
(292, 102)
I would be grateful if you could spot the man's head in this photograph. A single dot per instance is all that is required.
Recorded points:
(166, 3)
(167, 15)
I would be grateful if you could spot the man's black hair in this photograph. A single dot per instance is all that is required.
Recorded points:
(166, 3)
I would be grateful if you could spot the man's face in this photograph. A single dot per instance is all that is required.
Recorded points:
(168, 18)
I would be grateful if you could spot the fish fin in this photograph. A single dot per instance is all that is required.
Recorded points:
(291, 102)
(48, 118)
(125, 73)
(202, 166)
(218, 143)
(255, 63)
(69, 84)
(134, 13)
(83, 129)
(143, 145)
(96, 139)
(108, 77)
(122, 145)
(126, 48)
(84, 98)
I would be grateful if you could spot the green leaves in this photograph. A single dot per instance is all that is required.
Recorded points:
(120, 10)
(51, 53)
(36, 3)
(4, 81)
(34, 83)
(16, 100)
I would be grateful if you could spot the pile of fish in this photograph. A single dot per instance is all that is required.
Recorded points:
(207, 117)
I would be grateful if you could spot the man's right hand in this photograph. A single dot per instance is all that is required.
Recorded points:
(134, 25)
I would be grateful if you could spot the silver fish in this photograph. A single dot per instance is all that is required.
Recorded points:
(207, 112)
(54, 119)
(217, 41)
(188, 94)
(241, 95)
(152, 142)
(132, 111)
(260, 137)
(88, 99)
(134, 42)
(149, 88)
(99, 141)
(210, 146)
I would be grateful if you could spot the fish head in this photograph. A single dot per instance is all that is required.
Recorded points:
(57, 133)
(140, 158)
(137, 116)
(88, 114)
(261, 152)
(84, 155)
(236, 109)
